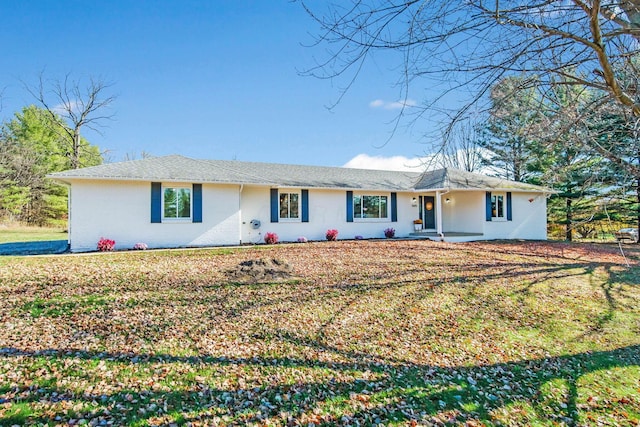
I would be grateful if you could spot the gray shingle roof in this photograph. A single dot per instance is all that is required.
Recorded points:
(456, 179)
(177, 168)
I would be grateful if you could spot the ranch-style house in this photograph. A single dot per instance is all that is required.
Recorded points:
(175, 201)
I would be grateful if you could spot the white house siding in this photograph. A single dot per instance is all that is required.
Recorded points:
(327, 210)
(464, 213)
(121, 210)
(529, 219)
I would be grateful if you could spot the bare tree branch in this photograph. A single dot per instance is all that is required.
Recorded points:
(472, 44)
(80, 106)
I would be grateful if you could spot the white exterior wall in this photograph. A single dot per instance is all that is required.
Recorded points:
(327, 210)
(121, 211)
(529, 219)
(465, 212)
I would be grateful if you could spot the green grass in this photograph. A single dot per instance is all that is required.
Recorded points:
(364, 333)
(19, 233)
(17, 414)
(55, 307)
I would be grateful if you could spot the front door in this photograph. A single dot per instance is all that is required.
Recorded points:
(429, 212)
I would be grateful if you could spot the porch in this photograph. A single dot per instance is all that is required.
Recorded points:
(456, 215)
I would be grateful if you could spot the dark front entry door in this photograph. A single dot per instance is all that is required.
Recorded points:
(429, 212)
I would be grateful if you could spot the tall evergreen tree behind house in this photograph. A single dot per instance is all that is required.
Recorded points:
(540, 138)
(574, 170)
(617, 132)
(512, 129)
(30, 148)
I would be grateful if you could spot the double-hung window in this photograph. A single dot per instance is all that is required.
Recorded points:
(289, 204)
(176, 202)
(498, 206)
(370, 206)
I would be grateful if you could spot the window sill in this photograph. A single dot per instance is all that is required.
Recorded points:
(176, 220)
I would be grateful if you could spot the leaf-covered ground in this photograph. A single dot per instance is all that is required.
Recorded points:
(363, 333)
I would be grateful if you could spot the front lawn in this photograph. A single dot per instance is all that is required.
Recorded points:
(362, 333)
(23, 233)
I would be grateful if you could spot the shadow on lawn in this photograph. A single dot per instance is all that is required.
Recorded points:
(386, 392)
(360, 389)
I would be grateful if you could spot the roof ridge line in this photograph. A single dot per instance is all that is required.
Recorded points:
(239, 172)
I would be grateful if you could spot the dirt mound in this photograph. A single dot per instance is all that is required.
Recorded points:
(260, 271)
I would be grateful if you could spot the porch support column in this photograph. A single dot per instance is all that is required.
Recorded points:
(438, 213)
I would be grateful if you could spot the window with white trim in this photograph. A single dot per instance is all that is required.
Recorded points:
(289, 205)
(498, 206)
(370, 206)
(176, 202)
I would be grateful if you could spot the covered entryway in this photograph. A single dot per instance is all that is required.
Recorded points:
(453, 216)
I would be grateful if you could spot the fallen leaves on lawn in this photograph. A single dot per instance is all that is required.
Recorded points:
(368, 333)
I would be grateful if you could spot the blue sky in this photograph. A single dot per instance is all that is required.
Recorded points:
(205, 79)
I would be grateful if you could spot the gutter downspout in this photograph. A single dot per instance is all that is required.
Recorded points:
(68, 217)
(240, 213)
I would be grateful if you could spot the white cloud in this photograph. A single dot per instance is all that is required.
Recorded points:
(393, 163)
(413, 164)
(64, 109)
(392, 105)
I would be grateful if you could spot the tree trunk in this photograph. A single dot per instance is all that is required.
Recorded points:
(569, 218)
(75, 153)
(638, 206)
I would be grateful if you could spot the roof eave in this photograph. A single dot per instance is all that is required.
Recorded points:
(69, 180)
(520, 190)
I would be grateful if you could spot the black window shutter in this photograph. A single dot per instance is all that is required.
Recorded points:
(394, 207)
(156, 202)
(197, 203)
(349, 206)
(488, 206)
(509, 208)
(274, 205)
(305, 205)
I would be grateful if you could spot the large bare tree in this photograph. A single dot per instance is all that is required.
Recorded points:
(471, 44)
(464, 151)
(79, 105)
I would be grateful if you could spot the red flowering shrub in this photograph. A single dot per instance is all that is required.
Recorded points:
(332, 235)
(105, 245)
(271, 238)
